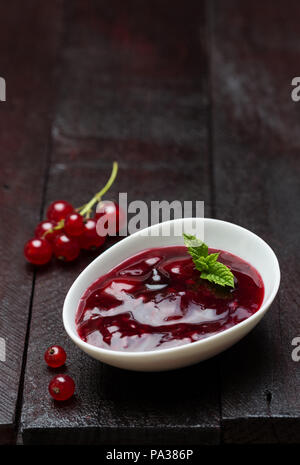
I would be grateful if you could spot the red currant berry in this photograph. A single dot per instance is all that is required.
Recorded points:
(38, 251)
(55, 356)
(115, 216)
(59, 210)
(45, 227)
(74, 225)
(66, 248)
(61, 387)
(90, 239)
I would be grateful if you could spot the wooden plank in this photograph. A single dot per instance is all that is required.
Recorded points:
(256, 173)
(132, 89)
(28, 43)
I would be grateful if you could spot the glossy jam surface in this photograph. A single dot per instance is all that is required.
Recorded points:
(156, 300)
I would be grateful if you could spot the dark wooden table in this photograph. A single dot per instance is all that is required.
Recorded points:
(193, 100)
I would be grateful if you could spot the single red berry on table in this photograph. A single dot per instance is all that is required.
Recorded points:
(46, 227)
(90, 239)
(61, 387)
(66, 248)
(74, 225)
(55, 356)
(58, 210)
(38, 251)
(115, 217)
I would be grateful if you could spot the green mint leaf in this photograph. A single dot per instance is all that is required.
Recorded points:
(218, 273)
(201, 264)
(212, 258)
(196, 248)
(212, 270)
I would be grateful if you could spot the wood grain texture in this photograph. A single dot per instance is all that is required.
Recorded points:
(256, 174)
(132, 88)
(28, 43)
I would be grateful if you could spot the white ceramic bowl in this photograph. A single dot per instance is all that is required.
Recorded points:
(217, 234)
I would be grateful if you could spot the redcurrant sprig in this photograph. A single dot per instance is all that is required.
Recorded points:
(67, 230)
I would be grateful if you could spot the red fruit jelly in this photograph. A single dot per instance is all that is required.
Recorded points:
(156, 300)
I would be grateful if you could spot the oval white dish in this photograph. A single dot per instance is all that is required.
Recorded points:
(217, 234)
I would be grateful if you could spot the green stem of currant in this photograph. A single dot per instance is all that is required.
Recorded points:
(59, 225)
(86, 209)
